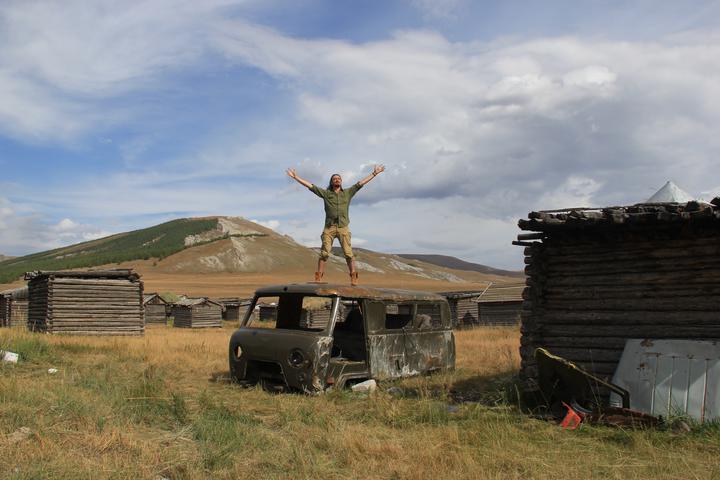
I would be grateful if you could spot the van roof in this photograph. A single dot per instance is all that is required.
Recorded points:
(329, 289)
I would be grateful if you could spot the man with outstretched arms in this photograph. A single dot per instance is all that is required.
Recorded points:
(337, 220)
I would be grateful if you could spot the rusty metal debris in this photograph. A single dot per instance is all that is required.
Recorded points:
(362, 334)
(576, 396)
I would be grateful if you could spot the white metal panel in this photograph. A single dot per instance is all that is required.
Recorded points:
(671, 377)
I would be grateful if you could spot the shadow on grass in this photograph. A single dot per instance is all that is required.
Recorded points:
(490, 390)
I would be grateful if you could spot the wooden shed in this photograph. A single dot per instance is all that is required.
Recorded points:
(197, 313)
(93, 302)
(598, 277)
(14, 307)
(155, 309)
(463, 308)
(234, 308)
(267, 312)
(500, 305)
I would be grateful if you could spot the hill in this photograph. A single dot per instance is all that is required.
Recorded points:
(229, 256)
(5, 257)
(457, 264)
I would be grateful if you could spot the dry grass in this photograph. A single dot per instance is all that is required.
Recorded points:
(159, 406)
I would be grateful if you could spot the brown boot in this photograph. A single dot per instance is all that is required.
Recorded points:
(318, 276)
(353, 278)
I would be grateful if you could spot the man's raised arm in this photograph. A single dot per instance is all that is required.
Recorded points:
(376, 171)
(291, 173)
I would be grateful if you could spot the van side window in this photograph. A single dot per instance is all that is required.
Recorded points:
(398, 316)
(428, 316)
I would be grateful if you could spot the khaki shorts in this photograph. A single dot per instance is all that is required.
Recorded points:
(329, 234)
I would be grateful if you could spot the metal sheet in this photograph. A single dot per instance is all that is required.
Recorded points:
(671, 377)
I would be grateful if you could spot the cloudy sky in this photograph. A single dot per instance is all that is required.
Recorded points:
(121, 115)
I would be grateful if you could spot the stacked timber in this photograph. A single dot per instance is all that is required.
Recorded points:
(197, 313)
(598, 277)
(96, 302)
(463, 308)
(155, 309)
(14, 307)
(500, 305)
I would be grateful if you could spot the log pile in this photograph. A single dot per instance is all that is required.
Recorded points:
(155, 309)
(197, 313)
(14, 307)
(500, 305)
(597, 277)
(96, 302)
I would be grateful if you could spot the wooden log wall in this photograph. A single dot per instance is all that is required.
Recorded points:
(267, 313)
(499, 313)
(155, 314)
(589, 290)
(18, 313)
(203, 315)
(5, 302)
(85, 306)
(464, 312)
(231, 313)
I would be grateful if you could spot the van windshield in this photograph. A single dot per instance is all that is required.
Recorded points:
(291, 312)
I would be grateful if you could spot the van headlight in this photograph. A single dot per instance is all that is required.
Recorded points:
(297, 358)
(238, 351)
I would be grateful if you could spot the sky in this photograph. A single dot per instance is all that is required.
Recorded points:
(121, 115)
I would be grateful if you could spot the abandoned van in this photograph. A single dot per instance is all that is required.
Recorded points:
(326, 335)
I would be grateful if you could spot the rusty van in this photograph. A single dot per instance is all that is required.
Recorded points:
(310, 337)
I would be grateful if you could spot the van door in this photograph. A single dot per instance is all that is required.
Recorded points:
(387, 339)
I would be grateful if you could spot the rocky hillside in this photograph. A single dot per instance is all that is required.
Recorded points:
(216, 245)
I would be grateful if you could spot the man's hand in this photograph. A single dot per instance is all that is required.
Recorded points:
(291, 173)
(376, 171)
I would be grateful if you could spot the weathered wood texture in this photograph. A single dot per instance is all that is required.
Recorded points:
(86, 303)
(499, 313)
(14, 307)
(598, 278)
(198, 313)
(267, 313)
(155, 309)
(463, 308)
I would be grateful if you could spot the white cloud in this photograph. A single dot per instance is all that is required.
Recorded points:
(473, 134)
(271, 224)
(22, 233)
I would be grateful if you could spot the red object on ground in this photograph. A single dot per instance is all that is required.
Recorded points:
(572, 419)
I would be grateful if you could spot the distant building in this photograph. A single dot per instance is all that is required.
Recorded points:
(91, 302)
(197, 313)
(500, 305)
(14, 307)
(463, 308)
(155, 309)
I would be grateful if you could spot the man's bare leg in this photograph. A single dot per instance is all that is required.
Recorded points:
(320, 270)
(353, 272)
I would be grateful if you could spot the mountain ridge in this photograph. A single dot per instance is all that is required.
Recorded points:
(228, 246)
(455, 263)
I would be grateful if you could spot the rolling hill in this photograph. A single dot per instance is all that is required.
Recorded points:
(457, 264)
(232, 255)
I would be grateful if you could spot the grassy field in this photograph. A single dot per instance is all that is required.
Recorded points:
(161, 407)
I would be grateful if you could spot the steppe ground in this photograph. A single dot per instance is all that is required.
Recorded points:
(160, 406)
